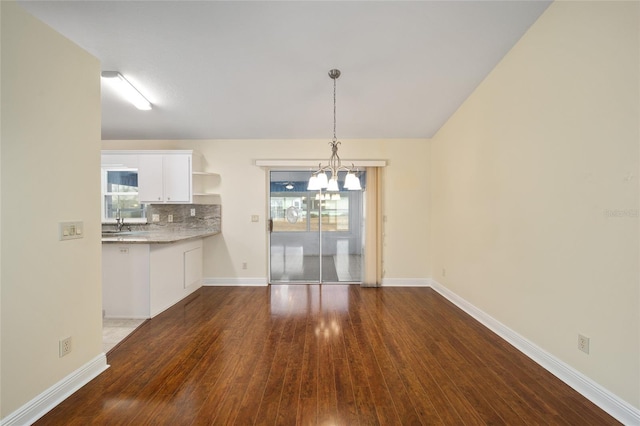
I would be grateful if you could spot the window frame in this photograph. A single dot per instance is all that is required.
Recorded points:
(104, 193)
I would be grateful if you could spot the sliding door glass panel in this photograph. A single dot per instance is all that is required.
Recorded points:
(294, 246)
(342, 234)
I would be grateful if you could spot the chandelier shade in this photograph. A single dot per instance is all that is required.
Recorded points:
(313, 185)
(351, 182)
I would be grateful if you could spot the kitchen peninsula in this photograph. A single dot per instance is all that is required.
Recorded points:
(148, 268)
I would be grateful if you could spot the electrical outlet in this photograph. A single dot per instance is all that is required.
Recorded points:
(244, 265)
(155, 217)
(583, 343)
(444, 272)
(193, 212)
(170, 218)
(65, 346)
(255, 218)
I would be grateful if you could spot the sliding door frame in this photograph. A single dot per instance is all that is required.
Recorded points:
(373, 242)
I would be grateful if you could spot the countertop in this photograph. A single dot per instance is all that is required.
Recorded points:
(162, 236)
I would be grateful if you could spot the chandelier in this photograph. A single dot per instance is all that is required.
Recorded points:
(319, 179)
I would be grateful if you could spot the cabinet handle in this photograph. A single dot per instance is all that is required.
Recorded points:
(158, 198)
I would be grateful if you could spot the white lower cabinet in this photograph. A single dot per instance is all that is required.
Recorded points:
(142, 280)
(125, 280)
(169, 270)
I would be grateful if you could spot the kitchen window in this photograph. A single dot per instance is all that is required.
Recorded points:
(120, 196)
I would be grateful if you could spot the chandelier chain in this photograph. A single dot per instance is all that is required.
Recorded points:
(334, 110)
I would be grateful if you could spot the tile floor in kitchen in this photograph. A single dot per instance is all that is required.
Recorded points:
(115, 330)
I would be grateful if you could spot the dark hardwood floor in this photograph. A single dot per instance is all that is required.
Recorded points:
(320, 355)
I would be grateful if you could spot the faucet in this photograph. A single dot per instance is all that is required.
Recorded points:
(120, 222)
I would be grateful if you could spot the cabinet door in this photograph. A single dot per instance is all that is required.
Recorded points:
(193, 266)
(177, 178)
(125, 280)
(167, 273)
(150, 177)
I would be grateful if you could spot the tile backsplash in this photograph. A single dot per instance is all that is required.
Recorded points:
(207, 216)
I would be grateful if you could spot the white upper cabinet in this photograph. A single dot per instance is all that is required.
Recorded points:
(177, 178)
(171, 176)
(150, 178)
(164, 178)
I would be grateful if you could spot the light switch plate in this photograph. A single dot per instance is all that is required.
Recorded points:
(70, 230)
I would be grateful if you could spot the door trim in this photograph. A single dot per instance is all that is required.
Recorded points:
(314, 163)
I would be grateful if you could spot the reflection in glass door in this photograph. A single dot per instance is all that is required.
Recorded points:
(314, 236)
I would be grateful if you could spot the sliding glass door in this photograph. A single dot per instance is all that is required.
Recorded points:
(315, 236)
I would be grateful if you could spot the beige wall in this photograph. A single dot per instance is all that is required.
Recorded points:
(50, 165)
(535, 191)
(243, 189)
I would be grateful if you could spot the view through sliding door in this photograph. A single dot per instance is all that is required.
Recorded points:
(315, 237)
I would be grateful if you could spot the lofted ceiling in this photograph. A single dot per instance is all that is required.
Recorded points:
(258, 69)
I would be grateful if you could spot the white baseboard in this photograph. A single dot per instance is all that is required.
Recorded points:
(260, 282)
(235, 282)
(47, 400)
(405, 282)
(609, 402)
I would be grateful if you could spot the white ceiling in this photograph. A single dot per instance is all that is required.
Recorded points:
(258, 69)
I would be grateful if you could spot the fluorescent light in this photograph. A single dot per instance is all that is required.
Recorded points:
(126, 89)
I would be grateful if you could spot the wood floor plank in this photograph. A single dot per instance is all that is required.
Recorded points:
(252, 400)
(327, 397)
(362, 392)
(346, 403)
(272, 394)
(310, 355)
(382, 399)
(401, 401)
(419, 396)
(288, 406)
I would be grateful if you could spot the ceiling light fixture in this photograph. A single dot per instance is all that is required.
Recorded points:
(126, 89)
(319, 179)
